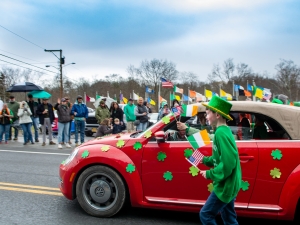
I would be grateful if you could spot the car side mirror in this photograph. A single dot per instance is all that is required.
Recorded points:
(160, 137)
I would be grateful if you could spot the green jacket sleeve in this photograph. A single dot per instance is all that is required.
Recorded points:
(227, 160)
(208, 161)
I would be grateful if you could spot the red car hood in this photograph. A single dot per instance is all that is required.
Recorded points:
(108, 140)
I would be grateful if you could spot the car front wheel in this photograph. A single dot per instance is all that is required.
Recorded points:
(100, 191)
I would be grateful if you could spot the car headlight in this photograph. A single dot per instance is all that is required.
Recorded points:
(71, 156)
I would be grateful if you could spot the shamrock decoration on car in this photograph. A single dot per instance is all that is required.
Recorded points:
(210, 187)
(168, 176)
(161, 156)
(275, 173)
(137, 145)
(245, 185)
(148, 134)
(85, 154)
(165, 120)
(120, 143)
(130, 168)
(188, 153)
(276, 154)
(63, 162)
(194, 171)
(105, 148)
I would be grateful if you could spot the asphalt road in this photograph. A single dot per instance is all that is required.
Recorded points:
(29, 194)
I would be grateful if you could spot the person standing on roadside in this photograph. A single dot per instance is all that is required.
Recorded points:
(64, 118)
(80, 112)
(116, 112)
(102, 112)
(141, 113)
(46, 116)
(24, 114)
(35, 118)
(14, 107)
(130, 117)
(5, 116)
(69, 104)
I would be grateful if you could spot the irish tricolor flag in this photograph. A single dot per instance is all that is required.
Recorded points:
(178, 90)
(189, 110)
(199, 139)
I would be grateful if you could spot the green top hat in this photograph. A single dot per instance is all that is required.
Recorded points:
(277, 101)
(219, 106)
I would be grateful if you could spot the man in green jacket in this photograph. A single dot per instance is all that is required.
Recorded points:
(14, 107)
(102, 112)
(130, 117)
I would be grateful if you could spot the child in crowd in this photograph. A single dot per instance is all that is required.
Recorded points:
(118, 126)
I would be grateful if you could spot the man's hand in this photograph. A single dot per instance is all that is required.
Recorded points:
(203, 173)
(181, 126)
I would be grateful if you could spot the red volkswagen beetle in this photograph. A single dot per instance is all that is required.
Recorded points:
(150, 168)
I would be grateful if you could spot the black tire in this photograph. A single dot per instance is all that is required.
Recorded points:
(100, 191)
(88, 133)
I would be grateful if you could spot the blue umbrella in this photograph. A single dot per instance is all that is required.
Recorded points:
(40, 94)
(24, 87)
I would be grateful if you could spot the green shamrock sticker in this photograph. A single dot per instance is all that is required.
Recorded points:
(161, 156)
(130, 168)
(245, 185)
(120, 143)
(105, 148)
(210, 187)
(188, 153)
(194, 171)
(168, 176)
(165, 120)
(137, 145)
(275, 173)
(85, 154)
(276, 154)
(148, 134)
(63, 162)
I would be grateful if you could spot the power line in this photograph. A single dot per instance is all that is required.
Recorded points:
(24, 67)
(21, 37)
(27, 63)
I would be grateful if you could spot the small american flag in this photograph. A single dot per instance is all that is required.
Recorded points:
(195, 158)
(177, 110)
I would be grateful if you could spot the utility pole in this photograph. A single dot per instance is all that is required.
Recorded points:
(61, 62)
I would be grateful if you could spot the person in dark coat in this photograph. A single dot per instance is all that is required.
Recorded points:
(118, 126)
(104, 128)
(116, 112)
(46, 116)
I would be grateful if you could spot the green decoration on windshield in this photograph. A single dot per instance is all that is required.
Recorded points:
(245, 185)
(276, 154)
(188, 152)
(148, 134)
(105, 148)
(194, 171)
(120, 143)
(85, 154)
(137, 145)
(165, 120)
(275, 173)
(210, 187)
(168, 176)
(130, 168)
(161, 156)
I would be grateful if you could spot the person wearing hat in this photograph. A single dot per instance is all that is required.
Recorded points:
(102, 112)
(80, 112)
(226, 169)
(14, 107)
(35, 118)
(129, 113)
(46, 117)
(64, 118)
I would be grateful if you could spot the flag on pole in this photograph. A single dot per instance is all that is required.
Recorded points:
(121, 98)
(192, 94)
(178, 90)
(177, 110)
(208, 94)
(250, 87)
(199, 139)
(185, 97)
(161, 99)
(125, 100)
(152, 102)
(135, 96)
(195, 158)
(229, 97)
(189, 110)
(87, 98)
(247, 93)
(166, 84)
(149, 90)
(257, 92)
(98, 96)
(222, 93)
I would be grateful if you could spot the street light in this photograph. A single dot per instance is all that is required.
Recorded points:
(60, 69)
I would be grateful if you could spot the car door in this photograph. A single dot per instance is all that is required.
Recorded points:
(181, 187)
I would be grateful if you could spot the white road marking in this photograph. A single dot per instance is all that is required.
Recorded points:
(42, 153)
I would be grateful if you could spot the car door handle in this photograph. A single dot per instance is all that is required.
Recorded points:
(246, 157)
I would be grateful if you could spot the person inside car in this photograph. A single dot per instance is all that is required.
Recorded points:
(260, 130)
